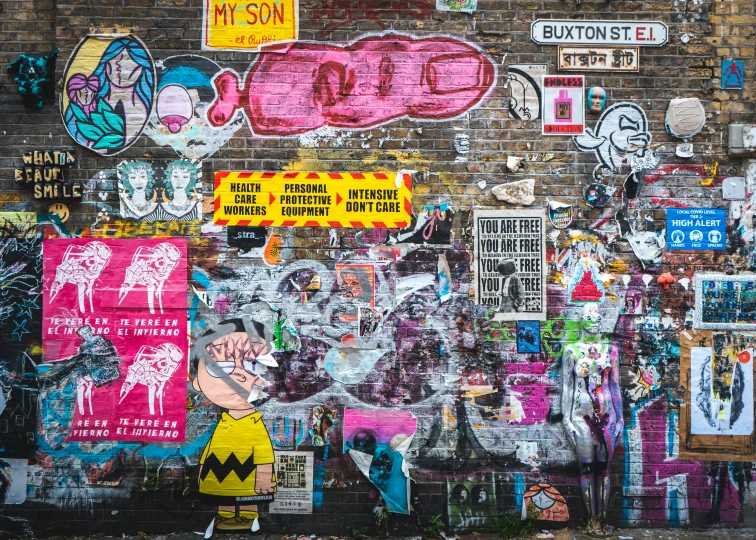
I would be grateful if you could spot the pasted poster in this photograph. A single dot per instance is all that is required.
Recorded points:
(377, 441)
(313, 199)
(12, 481)
(509, 261)
(149, 192)
(525, 90)
(465, 6)
(733, 74)
(20, 331)
(265, 22)
(696, 229)
(108, 92)
(563, 110)
(724, 301)
(472, 502)
(294, 483)
(115, 336)
(721, 386)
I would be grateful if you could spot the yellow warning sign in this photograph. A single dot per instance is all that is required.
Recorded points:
(312, 199)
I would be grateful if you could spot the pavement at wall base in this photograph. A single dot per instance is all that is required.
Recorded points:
(558, 534)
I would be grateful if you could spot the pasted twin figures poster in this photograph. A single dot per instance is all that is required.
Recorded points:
(115, 336)
(722, 387)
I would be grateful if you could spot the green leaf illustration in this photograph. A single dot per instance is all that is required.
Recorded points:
(109, 141)
(90, 132)
(114, 121)
(77, 112)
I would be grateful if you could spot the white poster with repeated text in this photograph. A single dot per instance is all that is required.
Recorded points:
(510, 257)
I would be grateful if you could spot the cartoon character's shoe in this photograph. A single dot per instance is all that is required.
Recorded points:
(244, 521)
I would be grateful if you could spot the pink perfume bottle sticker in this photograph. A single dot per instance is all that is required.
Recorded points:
(563, 107)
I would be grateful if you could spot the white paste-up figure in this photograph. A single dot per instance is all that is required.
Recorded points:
(84, 387)
(81, 266)
(152, 367)
(151, 267)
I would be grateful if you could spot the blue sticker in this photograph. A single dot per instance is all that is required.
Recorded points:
(733, 74)
(528, 337)
(696, 229)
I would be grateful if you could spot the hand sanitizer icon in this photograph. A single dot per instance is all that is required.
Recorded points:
(563, 107)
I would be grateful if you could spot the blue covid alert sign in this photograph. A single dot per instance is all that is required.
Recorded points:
(696, 229)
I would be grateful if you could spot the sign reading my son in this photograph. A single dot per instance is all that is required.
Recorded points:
(47, 171)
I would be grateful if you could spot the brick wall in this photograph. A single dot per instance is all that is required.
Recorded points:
(430, 349)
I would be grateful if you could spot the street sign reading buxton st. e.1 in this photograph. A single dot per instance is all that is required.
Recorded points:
(615, 33)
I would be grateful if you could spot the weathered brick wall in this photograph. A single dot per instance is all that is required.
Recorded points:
(430, 349)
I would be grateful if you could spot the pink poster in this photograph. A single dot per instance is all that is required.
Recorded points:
(115, 329)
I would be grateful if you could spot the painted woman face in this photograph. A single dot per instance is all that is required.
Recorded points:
(139, 179)
(124, 71)
(180, 178)
(85, 96)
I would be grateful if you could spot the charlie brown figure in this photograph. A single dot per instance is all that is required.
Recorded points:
(236, 467)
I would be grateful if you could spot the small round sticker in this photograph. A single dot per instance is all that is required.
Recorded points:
(60, 210)
(744, 357)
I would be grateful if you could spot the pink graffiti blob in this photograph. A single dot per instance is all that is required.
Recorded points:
(372, 81)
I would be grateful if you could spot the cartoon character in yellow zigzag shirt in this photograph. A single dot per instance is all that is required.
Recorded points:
(236, 467)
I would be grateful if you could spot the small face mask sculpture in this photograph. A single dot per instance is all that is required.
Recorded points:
(596, 99)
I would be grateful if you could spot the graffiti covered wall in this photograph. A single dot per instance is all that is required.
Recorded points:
(344, 284)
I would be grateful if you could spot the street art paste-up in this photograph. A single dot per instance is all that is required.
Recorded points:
(20, 332)
(721, 387)
(524, 81)
(645, 239)
(510, 263)
(12, 480)
(100, 307)
(354, 86)
(356, 283)
(34, 77)
(377, 441)
(544, 503)
(560, 214)
(685, 117)
(724, 301)
(598, 195)
(227, 27)
(237, 465)
(528, 337)
(620, 133)
(175, 194)
(471, 503)
(585, 284)
(733, 74)
(592, 409)
(445, 285)
(431, 226)
(465, 6)
(108, 92)
(294, 482)
(563, 105)
(184, 92)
